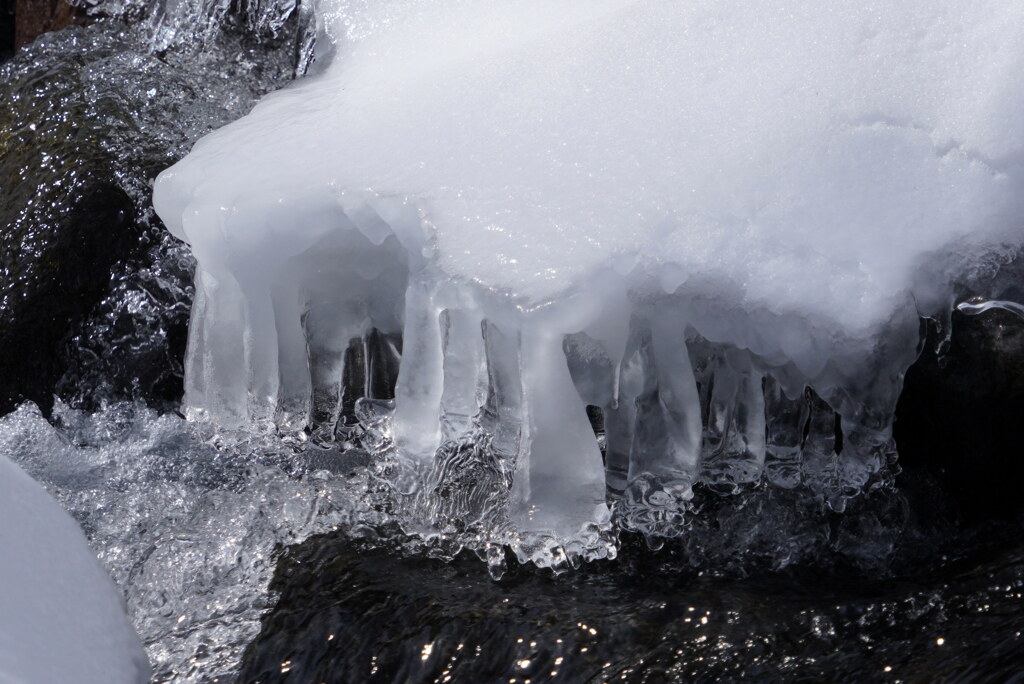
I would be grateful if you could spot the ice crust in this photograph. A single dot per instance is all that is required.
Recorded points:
(61, 618)
(715, 224)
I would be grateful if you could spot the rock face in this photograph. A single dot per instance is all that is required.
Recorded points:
(56, 264)
(66, 221)
(352, 612)
(959, 416)
(35, 17)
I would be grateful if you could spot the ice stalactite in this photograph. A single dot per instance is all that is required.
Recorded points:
(496, 405)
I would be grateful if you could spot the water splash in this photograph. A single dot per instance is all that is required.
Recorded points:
(188, 529)
(193, 24)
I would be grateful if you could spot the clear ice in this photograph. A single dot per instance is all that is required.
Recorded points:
(548, 256)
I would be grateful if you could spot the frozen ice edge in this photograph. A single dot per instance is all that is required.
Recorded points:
(606, 345)
(519, 377)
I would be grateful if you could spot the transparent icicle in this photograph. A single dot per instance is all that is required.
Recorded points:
(463, 348)
(786, 419)
(421, 377)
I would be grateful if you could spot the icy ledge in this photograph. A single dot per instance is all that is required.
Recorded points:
(705, 233)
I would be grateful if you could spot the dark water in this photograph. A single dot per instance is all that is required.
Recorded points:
(354, 611)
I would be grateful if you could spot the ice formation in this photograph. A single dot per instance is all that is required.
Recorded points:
(706, 231)
(61, 618)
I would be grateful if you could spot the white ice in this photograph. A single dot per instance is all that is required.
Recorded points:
(751, 190)
(61, 617)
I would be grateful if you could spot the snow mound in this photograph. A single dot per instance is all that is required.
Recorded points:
(714, 224)
(61, 617)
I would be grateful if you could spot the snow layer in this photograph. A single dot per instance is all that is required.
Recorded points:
(61, 617)
(764, 194)
(808, 154)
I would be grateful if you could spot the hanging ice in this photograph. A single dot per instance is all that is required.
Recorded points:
(713, 224)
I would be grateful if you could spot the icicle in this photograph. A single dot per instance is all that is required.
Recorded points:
(295, 388)
(421, 379)
(786, 419)
(216, 368)
(716, 467)
(327, 371)
(262, 354)
(820, 462)
(748, 432)
(559, 481)
(666, 433)
(502, 412)
(639, 384)
(353, 385)
(619, 421)
(383, 357)
(462, 343)
(595, 377)
(865, 452)
(680, 401)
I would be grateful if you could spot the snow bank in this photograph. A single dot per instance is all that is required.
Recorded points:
(61, 617)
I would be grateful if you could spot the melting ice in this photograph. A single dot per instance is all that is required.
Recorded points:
(703, 231)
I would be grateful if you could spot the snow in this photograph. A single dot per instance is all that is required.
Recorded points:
(61, 617)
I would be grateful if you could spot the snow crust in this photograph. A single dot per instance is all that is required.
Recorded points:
(683, 214)
(61, 617)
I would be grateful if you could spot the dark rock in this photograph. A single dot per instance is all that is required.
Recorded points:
(94, 294)
(355, 611)
(6, 29)
(960, 415)
(55, 268)
(64, 219)
(36, 17)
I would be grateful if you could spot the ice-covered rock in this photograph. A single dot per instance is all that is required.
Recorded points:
(716, 225)
(61, 618)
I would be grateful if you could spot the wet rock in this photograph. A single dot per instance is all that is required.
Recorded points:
(6, 29)
(55, 267)
(36, 17)
(354, 611)
(959, 417)
(94, 294)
